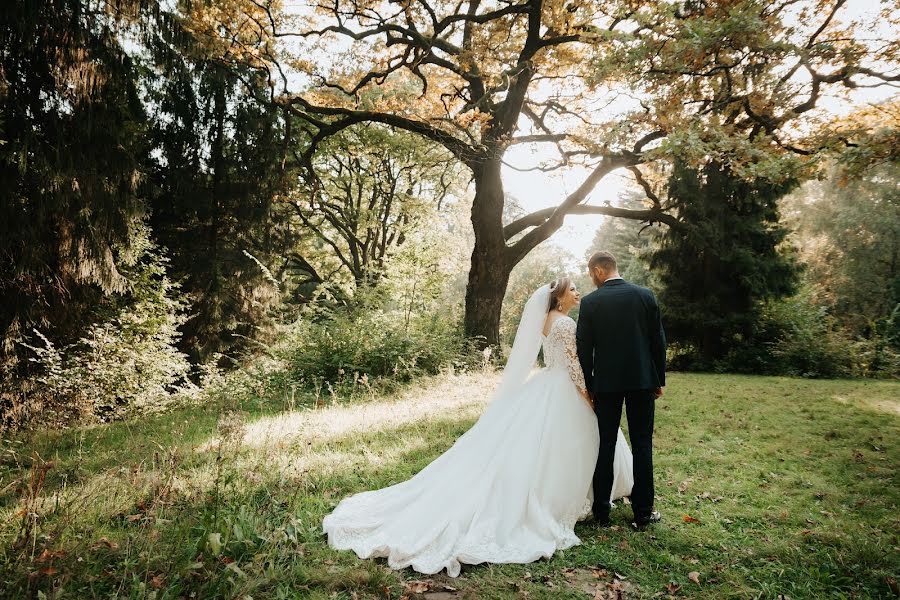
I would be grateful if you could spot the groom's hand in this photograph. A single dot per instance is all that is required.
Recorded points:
(659, 392)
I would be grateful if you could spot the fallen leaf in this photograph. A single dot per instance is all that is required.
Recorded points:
(104, 541)
(694, 576)
(50, 555)
(673, 588)
(157, 582)
(690, 519)
(417, 587)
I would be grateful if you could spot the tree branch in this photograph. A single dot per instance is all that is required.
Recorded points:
(538, 217)
(457, 147)
(555, 216)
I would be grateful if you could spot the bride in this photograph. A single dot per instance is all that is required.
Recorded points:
(512, 487)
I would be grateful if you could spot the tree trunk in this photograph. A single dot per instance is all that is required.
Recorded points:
(490, 267)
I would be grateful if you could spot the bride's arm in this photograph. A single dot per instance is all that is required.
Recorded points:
(573, 365)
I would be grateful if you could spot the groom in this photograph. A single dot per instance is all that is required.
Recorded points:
(622, 350)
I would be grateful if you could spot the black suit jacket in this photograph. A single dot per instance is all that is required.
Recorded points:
(620, 338)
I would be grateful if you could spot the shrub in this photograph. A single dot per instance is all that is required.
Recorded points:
(797, 336)
(366, 343)
(127, 362)
(804, 339)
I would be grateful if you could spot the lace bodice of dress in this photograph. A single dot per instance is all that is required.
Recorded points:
(559, 350)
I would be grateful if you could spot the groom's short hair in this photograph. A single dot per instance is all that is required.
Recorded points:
(604, 260)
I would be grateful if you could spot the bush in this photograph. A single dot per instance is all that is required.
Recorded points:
(805, 340)
(366, 343)
(126, 363)
(795, 336)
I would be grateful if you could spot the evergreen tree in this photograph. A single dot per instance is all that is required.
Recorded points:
(219, 167)
(715, 271)
(72, 160)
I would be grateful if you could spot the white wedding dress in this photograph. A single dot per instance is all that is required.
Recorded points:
(508, 491)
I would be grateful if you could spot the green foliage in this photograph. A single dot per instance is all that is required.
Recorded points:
(126, 363)
(392, 328)
(790, 336)
(805, 339)
(376, 191)
(797, 336)
(848, 233)
(72, 163)
(716, 270)
(217, 170)
(367, 342)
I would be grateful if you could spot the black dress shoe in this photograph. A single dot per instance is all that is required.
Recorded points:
(642, 522)
(601, 521)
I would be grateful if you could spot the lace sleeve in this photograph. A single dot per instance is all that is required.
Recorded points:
(567, 333)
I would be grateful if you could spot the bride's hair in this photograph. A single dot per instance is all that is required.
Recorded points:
(557, 291)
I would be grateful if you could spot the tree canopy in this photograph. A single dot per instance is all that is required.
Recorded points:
(609, 84)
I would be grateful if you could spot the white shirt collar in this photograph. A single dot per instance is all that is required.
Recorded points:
(612, 278)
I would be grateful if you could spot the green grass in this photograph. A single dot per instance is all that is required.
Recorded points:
(793, 484)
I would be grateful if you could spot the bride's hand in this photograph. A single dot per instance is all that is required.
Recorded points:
(587, 398)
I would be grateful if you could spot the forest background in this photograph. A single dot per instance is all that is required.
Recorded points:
(191, 188)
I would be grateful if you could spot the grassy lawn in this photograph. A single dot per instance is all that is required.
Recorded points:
(768, 487)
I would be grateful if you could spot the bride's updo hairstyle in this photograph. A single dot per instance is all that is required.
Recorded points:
(557, 291)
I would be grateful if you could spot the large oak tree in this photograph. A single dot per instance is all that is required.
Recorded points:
(610, 84)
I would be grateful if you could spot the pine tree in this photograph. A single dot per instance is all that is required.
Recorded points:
(72, 161)
(727, 258)
(218, 170)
